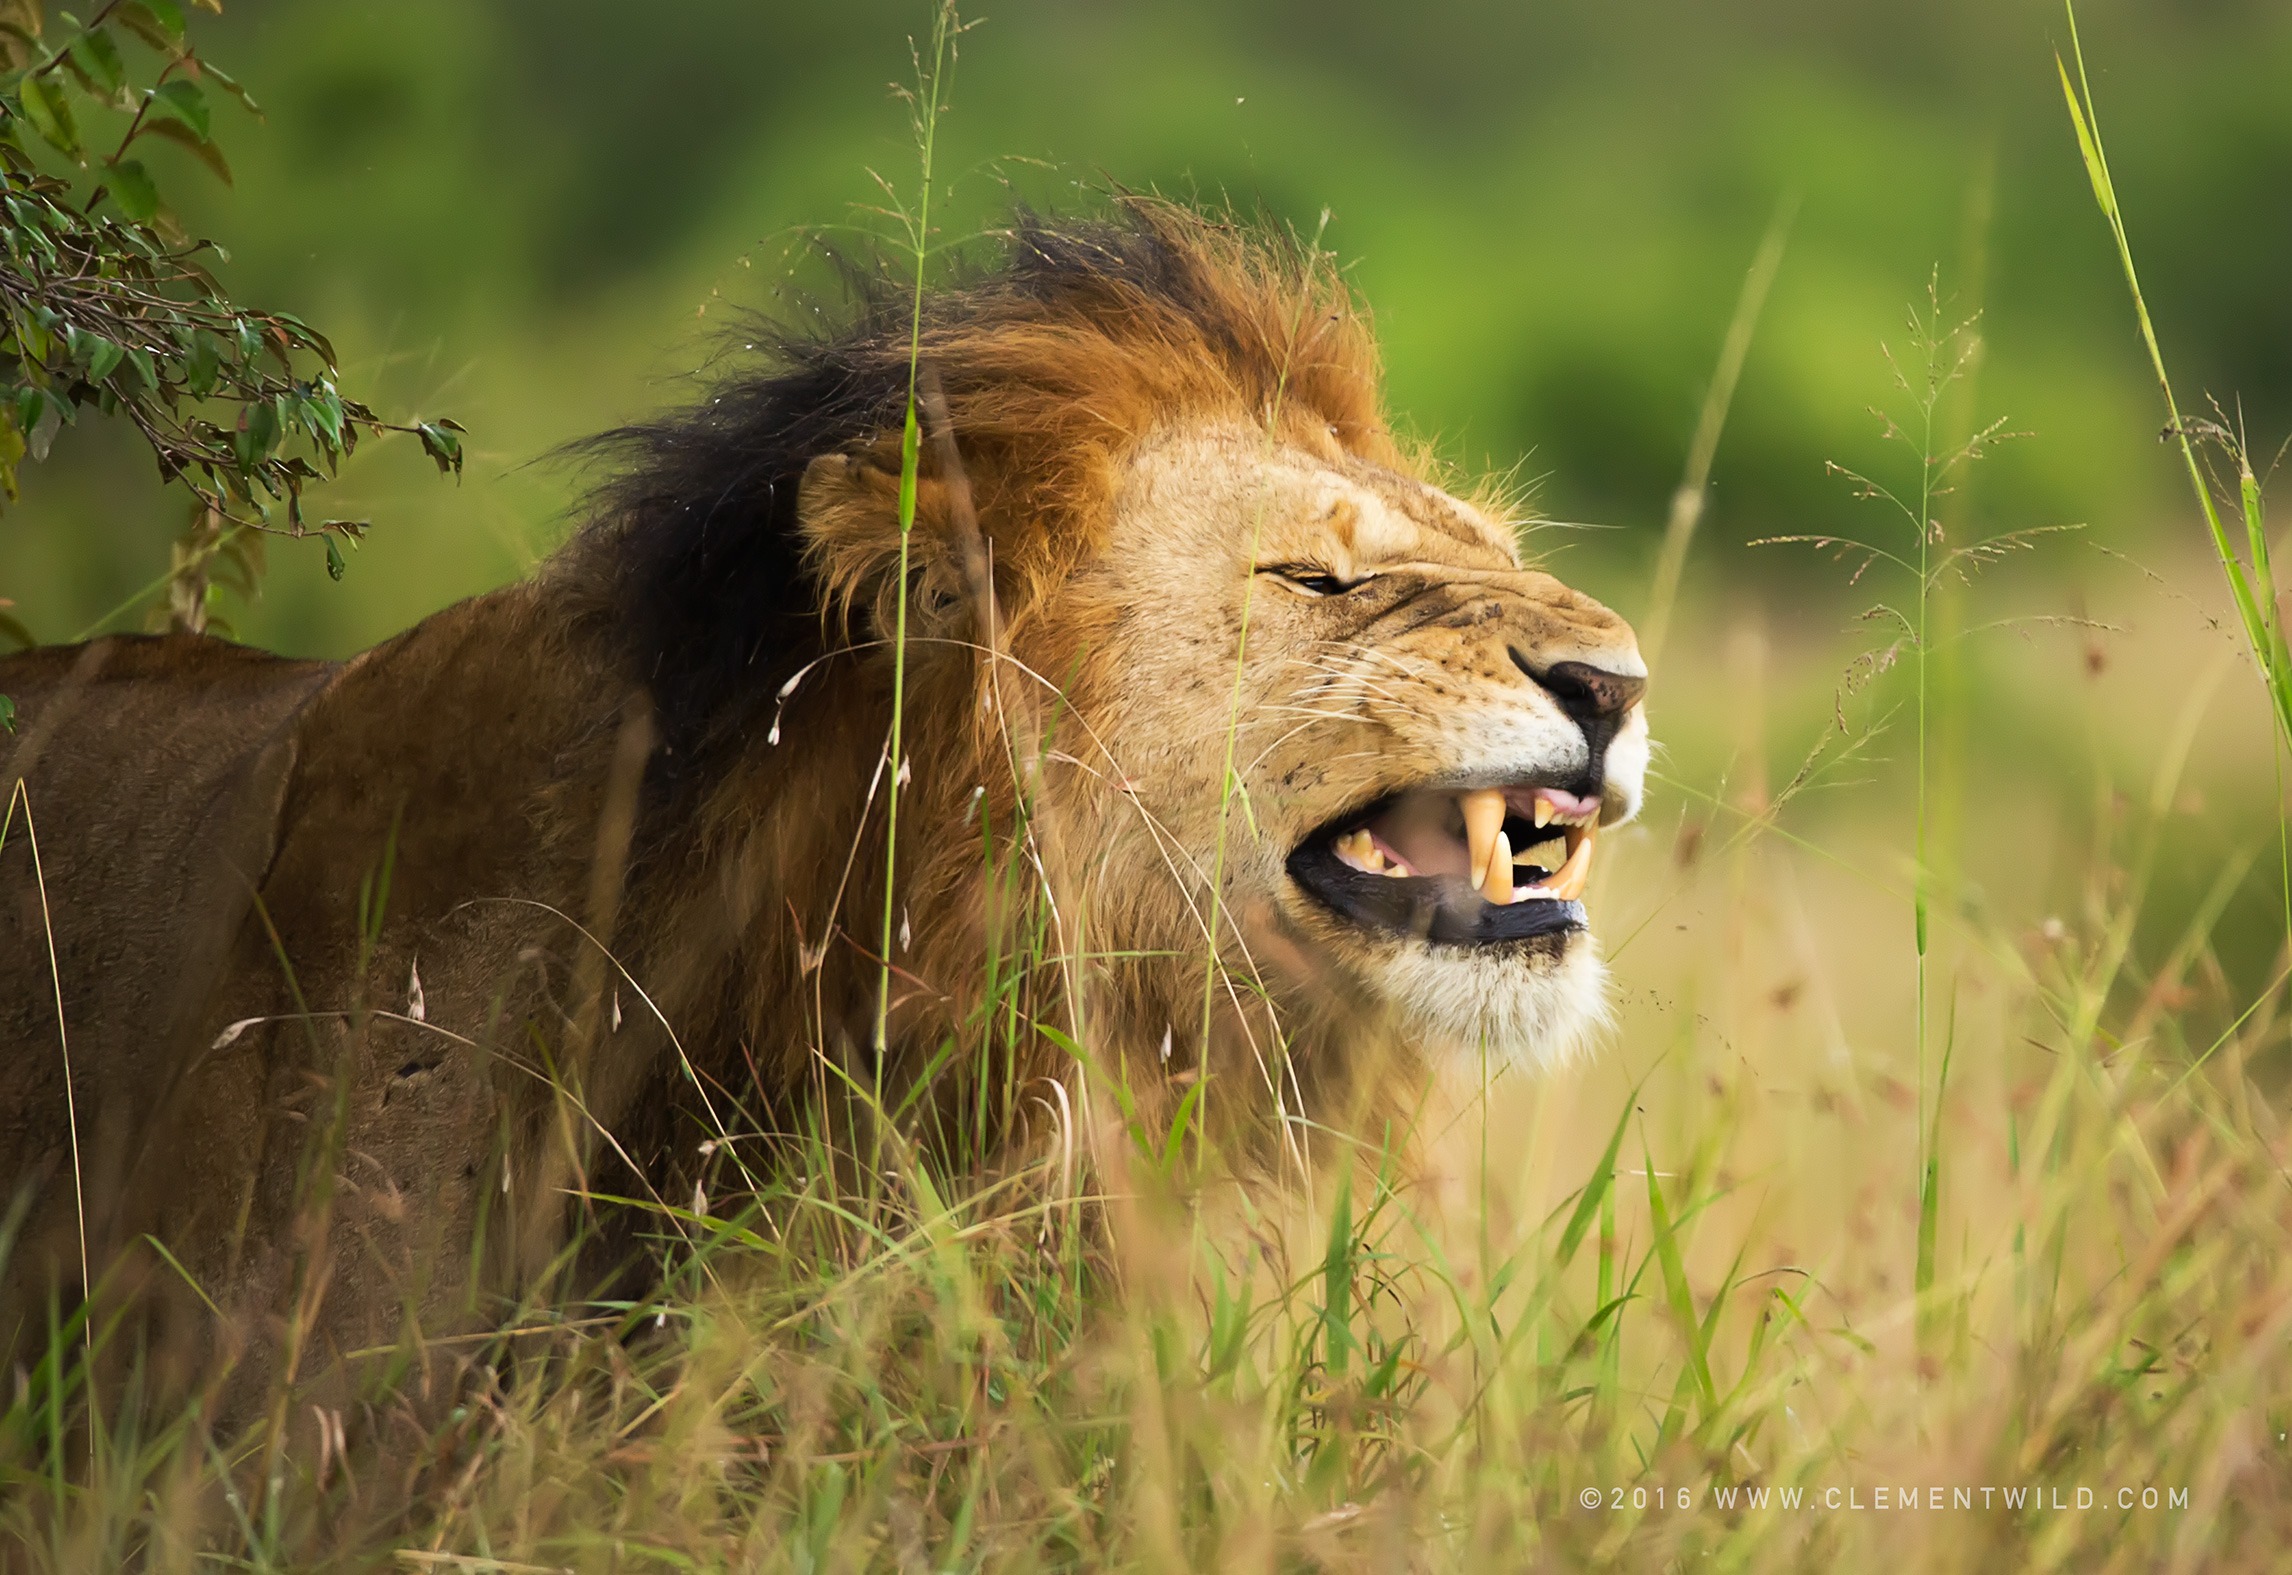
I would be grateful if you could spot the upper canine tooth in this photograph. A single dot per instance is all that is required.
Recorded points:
(1498, 886)
(1483, 823)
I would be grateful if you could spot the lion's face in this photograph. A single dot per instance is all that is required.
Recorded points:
(1426, 738)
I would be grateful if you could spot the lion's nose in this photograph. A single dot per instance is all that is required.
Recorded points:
(1593, 696)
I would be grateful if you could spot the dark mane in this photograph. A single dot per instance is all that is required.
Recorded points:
(1076, 335)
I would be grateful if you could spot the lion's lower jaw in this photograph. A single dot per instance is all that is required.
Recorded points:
(1533, 1011)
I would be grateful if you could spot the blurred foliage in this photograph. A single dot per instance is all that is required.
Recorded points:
(1550, 206)
(110, 304)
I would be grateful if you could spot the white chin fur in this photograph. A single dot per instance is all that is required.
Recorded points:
(1533, 1011)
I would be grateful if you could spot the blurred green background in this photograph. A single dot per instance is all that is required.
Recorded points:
(536, 216)
(514, 212)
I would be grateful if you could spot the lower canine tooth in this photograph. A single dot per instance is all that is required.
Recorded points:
(1567, 883)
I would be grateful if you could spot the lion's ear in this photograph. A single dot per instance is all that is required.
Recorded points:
(847, 508)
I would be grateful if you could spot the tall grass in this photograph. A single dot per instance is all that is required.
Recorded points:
(1676, 1311)
(930, 80)
(1693, 493)
(1941, 352)
(2251, 581)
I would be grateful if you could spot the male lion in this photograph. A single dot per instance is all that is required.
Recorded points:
(362, 969)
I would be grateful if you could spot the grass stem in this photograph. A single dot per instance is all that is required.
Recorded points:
(929, 86)
(1688, 501)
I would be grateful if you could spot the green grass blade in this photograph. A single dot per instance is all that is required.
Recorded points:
(1337, 1285)
(1676, 1293)
(2259, 624)
(1594, 1194)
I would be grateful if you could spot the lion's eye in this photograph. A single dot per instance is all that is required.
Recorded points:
(1312, 579)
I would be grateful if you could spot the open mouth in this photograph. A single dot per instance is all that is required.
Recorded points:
(1474, 867)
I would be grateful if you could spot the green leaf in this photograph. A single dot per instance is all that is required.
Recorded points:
(280, 346)
(7, 713)
(440, 442)
(11, 449)
(202, 364)
(32, 339)
(139, 22)
(257, 436)
(133, 191)
(335, 567)
(95, 61)
(47, 415)
(325, 413)
(176, 131)
(98, 355)
(51, 114)
(306, 336)
(158, 23)
(185, 99)
(224, 80)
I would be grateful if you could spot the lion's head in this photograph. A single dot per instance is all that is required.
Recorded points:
(1183, 637)
(1428, 735)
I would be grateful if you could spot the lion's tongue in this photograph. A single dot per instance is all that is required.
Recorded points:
(1422, 829)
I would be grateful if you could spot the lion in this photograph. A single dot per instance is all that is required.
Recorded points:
(1234, 754)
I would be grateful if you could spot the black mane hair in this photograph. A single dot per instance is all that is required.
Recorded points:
(695, 536)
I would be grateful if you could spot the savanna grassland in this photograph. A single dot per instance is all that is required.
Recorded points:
(1925, 1203)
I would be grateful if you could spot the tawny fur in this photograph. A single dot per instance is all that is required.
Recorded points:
(624, 821)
